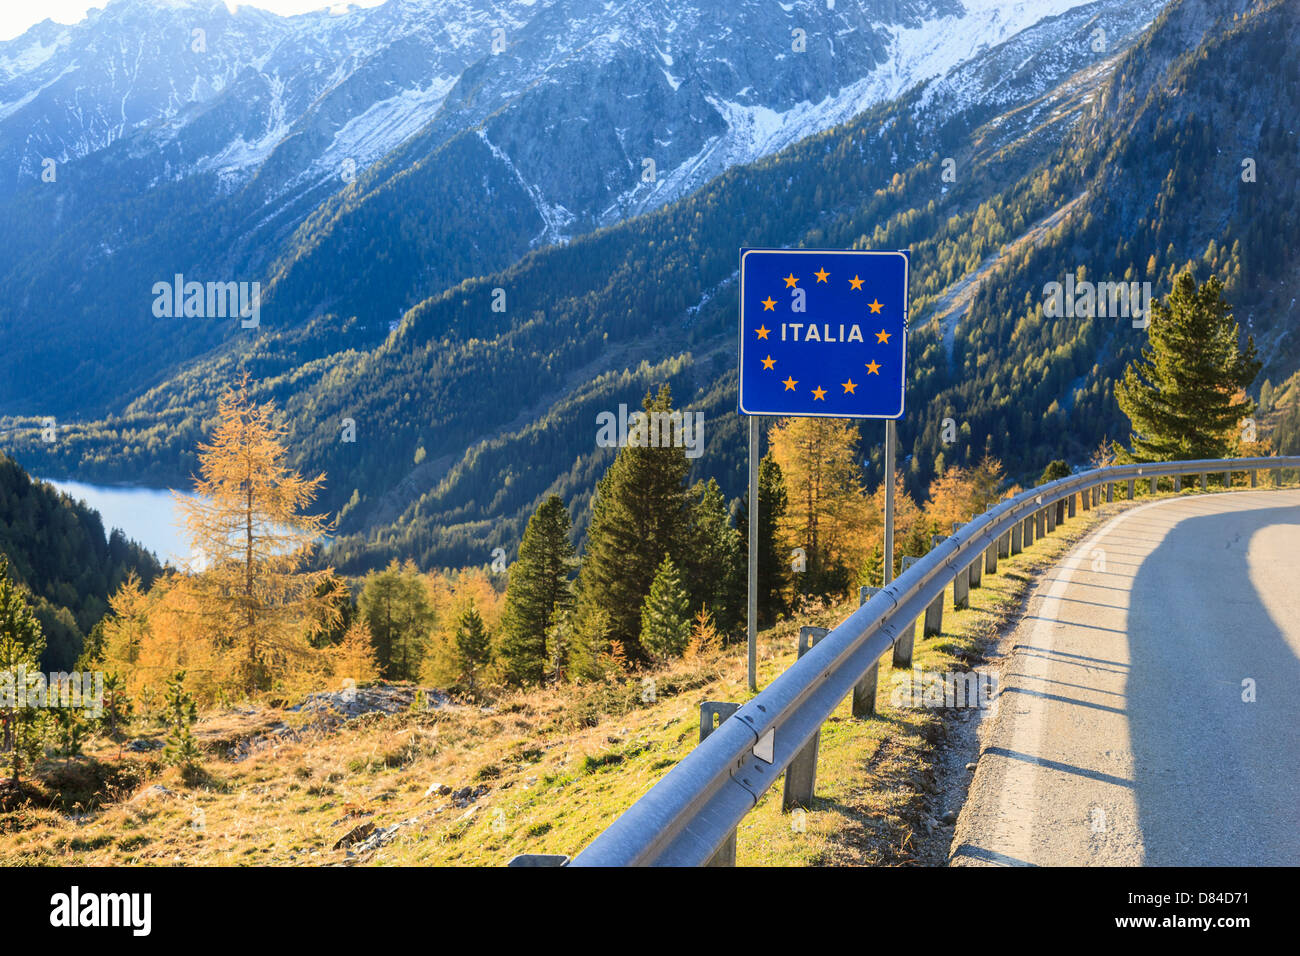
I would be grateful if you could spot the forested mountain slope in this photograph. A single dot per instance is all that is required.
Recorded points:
(1114, 161)
(57, 547)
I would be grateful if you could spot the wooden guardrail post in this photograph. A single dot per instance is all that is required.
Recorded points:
(1040, 523)
(1254, 477)
(1204, 482)
(721, 709)
(991, 558)
(801, 774)
(1110, 492)
(1004, 545)
(1016, 531)
(1178, 483)
(1132, 489)
(1070, 503)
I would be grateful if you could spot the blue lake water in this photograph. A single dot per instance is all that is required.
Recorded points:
(147, 515)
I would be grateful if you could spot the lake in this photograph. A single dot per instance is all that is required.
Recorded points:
(147, 515)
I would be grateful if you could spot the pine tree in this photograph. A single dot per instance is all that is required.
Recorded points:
(473, 646)
(23, 728)
(69, 731)
(773, 569)
(396, 606)
(1054, 470)
(117, 708)
(182, 750)
(537, 596)
(715, 561)
(640, 515)
(246, 524)
(665, 616)
(1181, 396)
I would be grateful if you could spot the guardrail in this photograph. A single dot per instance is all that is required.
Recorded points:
(689, 817)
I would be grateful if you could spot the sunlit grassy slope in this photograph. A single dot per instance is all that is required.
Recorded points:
(550, 769)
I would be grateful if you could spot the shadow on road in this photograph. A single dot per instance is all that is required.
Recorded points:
(1217, 779)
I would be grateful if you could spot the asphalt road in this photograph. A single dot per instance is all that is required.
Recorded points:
(1124, 732)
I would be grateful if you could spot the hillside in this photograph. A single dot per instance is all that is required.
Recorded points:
(477, 389)
(57, 548)
(380, 776)
(357, 161)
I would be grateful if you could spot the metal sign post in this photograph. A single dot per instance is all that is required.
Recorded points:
(889, 501)
(753, 553)
(823, 333)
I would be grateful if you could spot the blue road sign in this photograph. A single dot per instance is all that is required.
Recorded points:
(823, 332)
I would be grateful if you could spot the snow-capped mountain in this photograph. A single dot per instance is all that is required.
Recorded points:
(306, 100)
(449, 135)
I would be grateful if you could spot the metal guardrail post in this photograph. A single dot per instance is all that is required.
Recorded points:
(864, 691)
(906, 639)
(961, 589)
(801, 775)
(721, 709)
(934, 613)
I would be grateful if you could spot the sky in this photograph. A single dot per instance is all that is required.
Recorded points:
(17, 15)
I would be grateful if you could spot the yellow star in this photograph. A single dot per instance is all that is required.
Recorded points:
(873, 368)
(855, 283)
(790, 281)
(882, 336)
(762, 331)
(819, 393)
(875, 306)
(821, 274)
(850, 386)
(789, 384)
(769, 304)
(769, 362)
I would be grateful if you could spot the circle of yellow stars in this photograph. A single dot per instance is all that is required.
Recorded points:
(850, 387)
